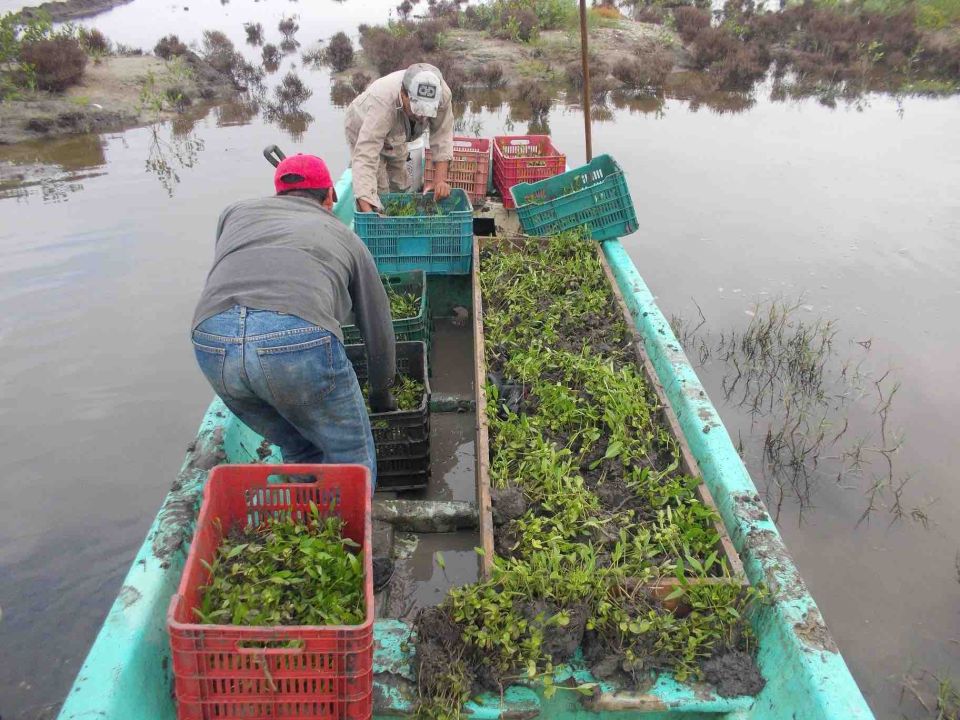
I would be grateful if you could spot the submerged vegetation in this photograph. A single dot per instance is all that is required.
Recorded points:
(286, 572)
(805, 400)
(602, 541)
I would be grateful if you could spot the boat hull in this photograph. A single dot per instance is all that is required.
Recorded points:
(127, 675)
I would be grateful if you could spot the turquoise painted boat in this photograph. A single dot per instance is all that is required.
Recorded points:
(127, 676)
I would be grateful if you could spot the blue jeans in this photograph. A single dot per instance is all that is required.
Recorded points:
(290, 382)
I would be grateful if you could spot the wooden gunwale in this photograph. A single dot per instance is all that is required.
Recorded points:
(661, 587)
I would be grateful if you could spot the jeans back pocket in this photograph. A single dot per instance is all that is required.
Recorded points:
(211, 361)
(299, 374)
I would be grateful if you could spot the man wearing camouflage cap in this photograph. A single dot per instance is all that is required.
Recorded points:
(390, 113)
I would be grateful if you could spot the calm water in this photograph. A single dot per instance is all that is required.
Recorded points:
(101, 265)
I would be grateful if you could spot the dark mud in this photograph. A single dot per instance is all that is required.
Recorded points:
(508, 504)
(560, 642)
(733, 673)
(438, 649)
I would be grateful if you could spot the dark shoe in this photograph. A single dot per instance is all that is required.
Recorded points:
(382, 572)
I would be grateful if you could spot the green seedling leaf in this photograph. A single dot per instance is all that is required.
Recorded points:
(236, 550)
(678, 593)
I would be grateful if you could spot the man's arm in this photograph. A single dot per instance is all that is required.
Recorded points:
(371, 308)
(365, 162)
(441, 145)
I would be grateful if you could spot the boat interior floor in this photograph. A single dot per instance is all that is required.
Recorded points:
(431, 533)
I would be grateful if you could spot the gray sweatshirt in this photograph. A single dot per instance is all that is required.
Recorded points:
(288, 254)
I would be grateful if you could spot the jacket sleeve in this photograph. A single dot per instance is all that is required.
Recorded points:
(371, 309)
(441, 129)
(377, 122)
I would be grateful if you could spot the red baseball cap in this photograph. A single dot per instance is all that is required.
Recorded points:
(303, 172)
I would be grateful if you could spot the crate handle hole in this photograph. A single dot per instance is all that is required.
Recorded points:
(270, 647)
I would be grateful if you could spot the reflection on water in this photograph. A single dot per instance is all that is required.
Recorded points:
(171, 152)
(51, 170)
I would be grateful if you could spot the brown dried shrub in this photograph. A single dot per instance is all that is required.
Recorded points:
(490, 75)
(254, 33)
(57, 62)
(217, 49)
(340, 52)
(713, 44)
(288, 27)
(533, 94)
(598, 71)
(271, 56)
(649, 14)
(646, 71)
(169, 47)
(93, 41)
(741, 69)
(428, 34)
(690, 21)
(359, 82)
(387, 51)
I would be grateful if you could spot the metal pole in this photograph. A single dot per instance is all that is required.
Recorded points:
(586, 79)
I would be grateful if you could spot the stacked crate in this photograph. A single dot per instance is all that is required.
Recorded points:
(523, 158)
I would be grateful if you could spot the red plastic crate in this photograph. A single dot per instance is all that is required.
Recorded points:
(470, 169)
(524, 158)
(304, 672)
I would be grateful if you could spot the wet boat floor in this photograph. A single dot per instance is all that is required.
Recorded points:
(427, 565)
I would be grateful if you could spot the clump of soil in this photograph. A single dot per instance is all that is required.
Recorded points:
(438, 658)
(734, 673)
(560, 641)
(508, 504)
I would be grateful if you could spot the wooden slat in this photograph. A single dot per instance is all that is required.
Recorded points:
(484, 508)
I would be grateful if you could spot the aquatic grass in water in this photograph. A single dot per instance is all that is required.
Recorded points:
(285, 572)
(807, 401)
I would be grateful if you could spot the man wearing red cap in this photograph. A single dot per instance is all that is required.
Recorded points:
(287, 274)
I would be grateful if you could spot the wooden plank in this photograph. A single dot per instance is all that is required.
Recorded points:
(688, 463)
(484, 508)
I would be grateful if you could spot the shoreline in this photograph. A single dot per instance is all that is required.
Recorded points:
(117, 93)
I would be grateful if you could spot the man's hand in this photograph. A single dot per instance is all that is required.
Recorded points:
(441, 190)
(364, 206)
(382, 401)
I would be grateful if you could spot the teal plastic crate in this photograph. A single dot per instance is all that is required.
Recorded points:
(441, 244)
(594, 195)
(410, 329)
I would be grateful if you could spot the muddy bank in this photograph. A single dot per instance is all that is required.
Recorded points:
(687, 52)
(116, 93)
(66, 10)
(472, 52)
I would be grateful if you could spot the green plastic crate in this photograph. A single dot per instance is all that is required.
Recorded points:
(440, 244)
(416, 328)
(594, 195)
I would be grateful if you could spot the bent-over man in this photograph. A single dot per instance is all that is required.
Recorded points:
(393, 111)
(286, 275)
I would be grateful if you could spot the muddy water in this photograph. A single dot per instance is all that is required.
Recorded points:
(102, 260)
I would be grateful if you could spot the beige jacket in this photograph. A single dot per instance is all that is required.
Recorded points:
(378, 132)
